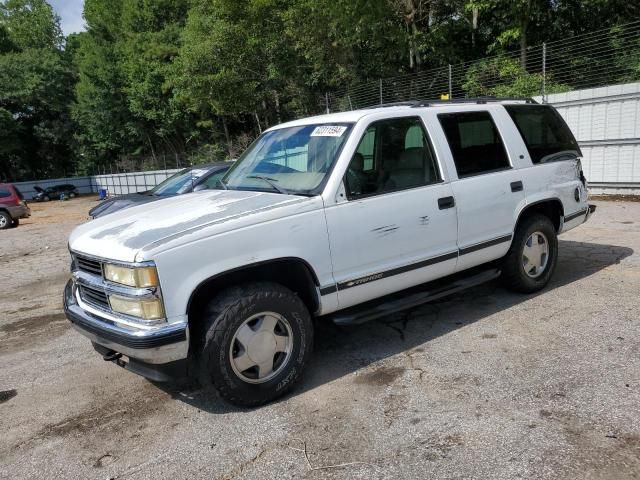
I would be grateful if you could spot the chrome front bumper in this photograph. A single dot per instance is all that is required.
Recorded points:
(159, 345)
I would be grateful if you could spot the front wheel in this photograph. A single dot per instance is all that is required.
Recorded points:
(258, 339)
(533, 255)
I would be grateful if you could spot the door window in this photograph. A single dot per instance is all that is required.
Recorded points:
(475, 143)
(393, 155)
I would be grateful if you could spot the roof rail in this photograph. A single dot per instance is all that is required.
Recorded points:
(477, 100)
(408, 103)
(428, 103)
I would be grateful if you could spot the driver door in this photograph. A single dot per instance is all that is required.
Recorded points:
(398, 226)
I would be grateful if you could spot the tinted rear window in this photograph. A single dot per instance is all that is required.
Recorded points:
(545, 133)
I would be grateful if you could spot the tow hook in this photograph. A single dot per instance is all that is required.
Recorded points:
(111, 356)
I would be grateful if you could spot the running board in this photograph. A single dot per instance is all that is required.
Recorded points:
(413, 297)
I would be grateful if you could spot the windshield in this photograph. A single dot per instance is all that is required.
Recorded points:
(181, 182)
(292, 160)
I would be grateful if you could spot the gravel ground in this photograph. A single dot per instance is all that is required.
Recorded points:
(485, 384)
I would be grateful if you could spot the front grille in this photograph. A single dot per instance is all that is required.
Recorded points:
(94, 297)
(88, 265)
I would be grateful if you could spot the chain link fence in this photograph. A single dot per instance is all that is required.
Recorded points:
(599, 58)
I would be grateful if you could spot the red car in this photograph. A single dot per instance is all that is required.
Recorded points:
(12, 206)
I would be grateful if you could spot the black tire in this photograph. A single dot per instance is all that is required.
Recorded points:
(15, 223)
(72, 195)
(514, 277)
(46, 198)
(223, 317)
(5, 221)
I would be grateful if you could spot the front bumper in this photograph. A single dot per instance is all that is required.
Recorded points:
(150, 352)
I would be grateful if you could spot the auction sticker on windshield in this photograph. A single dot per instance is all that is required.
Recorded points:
(328, 131)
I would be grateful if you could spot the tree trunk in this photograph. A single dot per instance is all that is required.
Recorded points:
(255, 114)
(474, 26)
(276, 98)
(153, 152)
(524, 24)
(266, 119)
(227, 137)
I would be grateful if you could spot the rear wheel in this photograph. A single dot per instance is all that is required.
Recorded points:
(72, 195)
(533, 255)
(16, 222)
(258, 339)
(46, 198)
(5, 221)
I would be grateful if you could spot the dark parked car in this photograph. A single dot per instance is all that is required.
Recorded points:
(54, 192)
(12, 206)
(190, 179)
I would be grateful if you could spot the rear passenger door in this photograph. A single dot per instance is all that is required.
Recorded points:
(488, 190)
(397, 227)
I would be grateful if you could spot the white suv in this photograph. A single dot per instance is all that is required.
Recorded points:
(348, 217)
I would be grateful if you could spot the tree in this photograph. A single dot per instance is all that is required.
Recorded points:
(35, 87)
(505, 77)
(31, 24)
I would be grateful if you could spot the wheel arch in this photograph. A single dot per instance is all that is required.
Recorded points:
(551, 207)
(292, 272)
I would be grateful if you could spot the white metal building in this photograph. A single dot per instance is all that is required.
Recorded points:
(606, 123)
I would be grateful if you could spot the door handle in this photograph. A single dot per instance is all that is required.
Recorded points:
(517, 186)
(446, 202)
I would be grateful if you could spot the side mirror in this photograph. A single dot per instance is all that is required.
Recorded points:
(198, 188)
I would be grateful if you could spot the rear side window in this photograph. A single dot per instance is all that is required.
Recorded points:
(4, 193)
(475, 143)
(544, 132)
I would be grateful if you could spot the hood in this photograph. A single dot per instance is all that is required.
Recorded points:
(135, 233)
(121, 202)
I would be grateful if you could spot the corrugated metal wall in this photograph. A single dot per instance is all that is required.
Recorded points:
(606, 123)
(115, 184)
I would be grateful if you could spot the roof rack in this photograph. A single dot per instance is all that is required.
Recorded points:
(428, 103)
(477, 100)
(408, 103)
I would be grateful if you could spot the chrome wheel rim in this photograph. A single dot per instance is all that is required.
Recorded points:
(3, 221)
(535, 254)
(261, 347)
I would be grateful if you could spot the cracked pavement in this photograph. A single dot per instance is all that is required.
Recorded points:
(483, 384)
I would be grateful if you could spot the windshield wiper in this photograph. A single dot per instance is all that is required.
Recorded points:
(270, 181)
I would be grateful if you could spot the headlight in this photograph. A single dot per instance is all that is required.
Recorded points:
(142, 308)
(138, 277)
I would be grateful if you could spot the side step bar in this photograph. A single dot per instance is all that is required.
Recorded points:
(413, 297)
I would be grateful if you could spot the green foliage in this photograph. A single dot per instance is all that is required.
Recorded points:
(156, 79)
(31, 24)
(36, 82)
(505, 77)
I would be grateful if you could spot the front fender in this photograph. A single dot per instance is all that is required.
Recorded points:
(182, 269)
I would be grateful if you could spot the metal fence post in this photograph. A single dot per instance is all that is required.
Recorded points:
(380, 91)
(450, 82)
(544, 72)
(326, 101)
